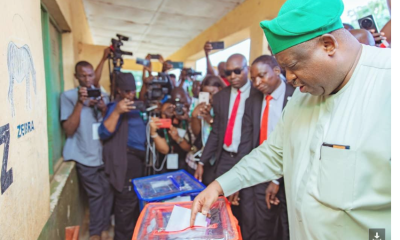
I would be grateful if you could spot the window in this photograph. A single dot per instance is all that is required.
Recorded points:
(355, 9)
(52, 51)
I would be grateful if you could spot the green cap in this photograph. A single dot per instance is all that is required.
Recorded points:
(301, 20)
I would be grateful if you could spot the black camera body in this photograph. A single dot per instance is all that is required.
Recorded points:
(368, 23)
(158, 87)
(117, 52)
(94, 92)
(179, 109)
(191, 72)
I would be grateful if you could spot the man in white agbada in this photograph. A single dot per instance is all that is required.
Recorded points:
(332, 143)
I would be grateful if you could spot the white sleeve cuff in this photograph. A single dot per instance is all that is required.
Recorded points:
(276, 182)
(201, 163)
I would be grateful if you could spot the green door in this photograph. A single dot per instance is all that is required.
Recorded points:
(52, 49)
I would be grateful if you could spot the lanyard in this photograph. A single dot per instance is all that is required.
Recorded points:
(168, 141)
(184, 124)
(96, 113)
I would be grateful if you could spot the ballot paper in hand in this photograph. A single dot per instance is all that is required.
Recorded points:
(180, 219)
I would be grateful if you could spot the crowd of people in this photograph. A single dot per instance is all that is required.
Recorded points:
(113, 142)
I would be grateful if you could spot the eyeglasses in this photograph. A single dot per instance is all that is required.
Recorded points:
(237, 71)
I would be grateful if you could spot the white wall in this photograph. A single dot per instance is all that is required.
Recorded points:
(24, 205)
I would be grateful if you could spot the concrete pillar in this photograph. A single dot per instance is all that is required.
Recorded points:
(259, 44)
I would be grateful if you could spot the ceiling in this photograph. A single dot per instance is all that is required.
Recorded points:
(153, 26)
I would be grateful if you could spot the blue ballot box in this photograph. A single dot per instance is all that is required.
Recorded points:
(167, 186)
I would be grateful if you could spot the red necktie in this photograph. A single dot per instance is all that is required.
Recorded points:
(231, 122)
(264, 123)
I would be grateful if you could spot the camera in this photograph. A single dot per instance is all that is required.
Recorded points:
(117, 52)
(191, 72)
(179, 107)
(94, 92)
(116, 57)
(368, 23)
(158, 87)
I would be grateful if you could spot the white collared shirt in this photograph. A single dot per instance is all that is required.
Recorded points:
(275, 107)
(237, 128)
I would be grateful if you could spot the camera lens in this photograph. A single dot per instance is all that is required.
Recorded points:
(366, 23)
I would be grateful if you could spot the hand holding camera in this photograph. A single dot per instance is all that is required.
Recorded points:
(173, 132)
(378, 36)
(124, 106)
(208, 47)
(82, 94)
(106, 53)
(205, 113)
(196, 111)
(154, 125)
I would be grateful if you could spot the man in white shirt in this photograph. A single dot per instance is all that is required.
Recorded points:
(332, 143)
(229, 105)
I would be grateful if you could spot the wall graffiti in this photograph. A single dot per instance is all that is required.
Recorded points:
(6, 176)
(20, 68)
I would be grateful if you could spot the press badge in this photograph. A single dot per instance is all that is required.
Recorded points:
(95, 131)
(172, 161)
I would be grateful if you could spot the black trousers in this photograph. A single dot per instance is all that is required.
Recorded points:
(256, 221)
(98, 190)
(271, 223)
(225, 163)
(126, 203)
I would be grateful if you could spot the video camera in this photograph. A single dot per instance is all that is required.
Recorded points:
(158, 87)
(116, 57)
(191, 72)
(117, 52)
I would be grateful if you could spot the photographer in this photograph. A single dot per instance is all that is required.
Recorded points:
(175, 142)
(80, 117)
(201, 125)
(124, 134)
(156, 88)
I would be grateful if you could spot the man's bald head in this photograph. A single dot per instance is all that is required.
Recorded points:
(237, 70)
(238, 57)
(321, 65)
(221, 69)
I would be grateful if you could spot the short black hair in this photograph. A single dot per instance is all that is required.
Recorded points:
(82, 64)
(266, 59)
(172, 75)
(212, 81)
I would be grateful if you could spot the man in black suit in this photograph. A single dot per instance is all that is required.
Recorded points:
(263, 111)
(229, 107)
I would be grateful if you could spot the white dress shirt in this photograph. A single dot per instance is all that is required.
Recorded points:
(334, 152)
(275, 107)
(237, 128)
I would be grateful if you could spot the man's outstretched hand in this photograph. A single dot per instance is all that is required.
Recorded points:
(203, 202)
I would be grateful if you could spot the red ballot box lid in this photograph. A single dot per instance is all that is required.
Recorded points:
(154, 218)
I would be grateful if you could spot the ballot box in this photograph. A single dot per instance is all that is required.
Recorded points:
(155, 219)
(173, 186)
